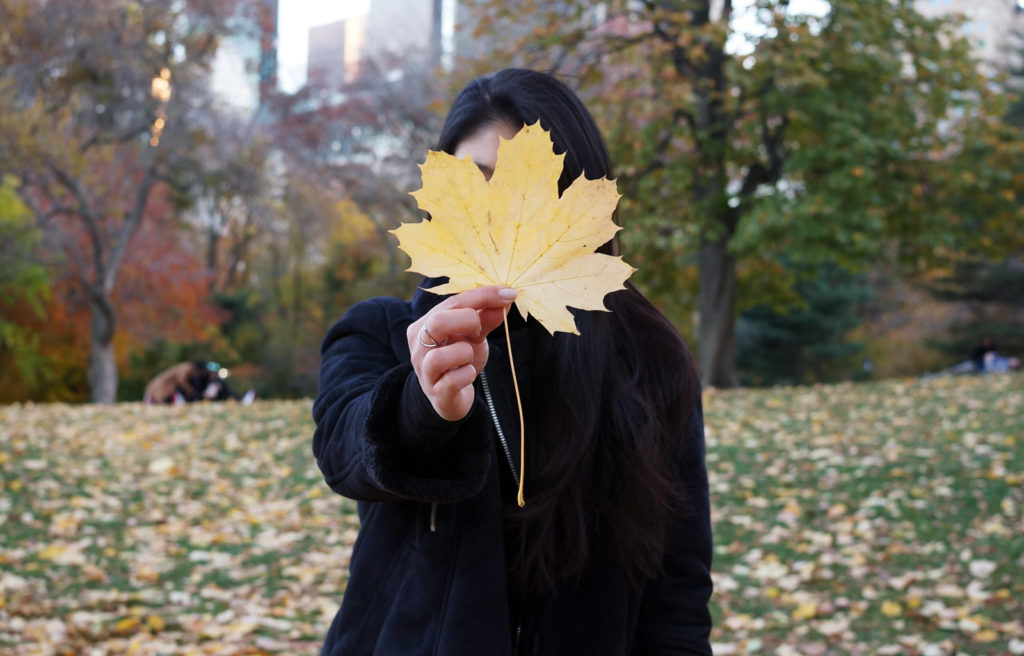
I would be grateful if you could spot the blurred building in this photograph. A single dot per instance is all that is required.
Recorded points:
(392, 30)
(244, 71)
(404, 27)
(325, 57)
(993, 27)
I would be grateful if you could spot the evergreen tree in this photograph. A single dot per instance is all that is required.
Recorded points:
(806, 343)
(995, 291)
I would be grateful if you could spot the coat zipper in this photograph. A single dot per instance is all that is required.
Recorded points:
(504, 445)
(511, 465)
(497, 426)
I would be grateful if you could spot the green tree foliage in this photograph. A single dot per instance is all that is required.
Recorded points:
(994, 291)
(807, 342)
(864, 135)
(24, 287)
(1015, 72)
(980, 280)
(992, 288)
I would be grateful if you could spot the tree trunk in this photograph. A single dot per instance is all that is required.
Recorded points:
(711, 126)
(212, 241)
(716, 356)
(102, 366)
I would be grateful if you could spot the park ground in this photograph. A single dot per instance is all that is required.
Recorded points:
(877, 518)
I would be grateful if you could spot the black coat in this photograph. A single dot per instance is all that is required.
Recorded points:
(427, 575)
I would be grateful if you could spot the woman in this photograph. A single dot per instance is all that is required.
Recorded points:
(611, 554)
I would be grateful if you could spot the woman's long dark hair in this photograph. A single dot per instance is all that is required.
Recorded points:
(609, 406)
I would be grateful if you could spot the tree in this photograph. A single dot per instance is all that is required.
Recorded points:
(295, 217)
(162, 298)
(234, 201)
(806, 342)
(349, 156)
(1015, 72)
(991, 289)
(94, 110)
(362, 141)
(24, 289)
(992, 293)
(862, 135)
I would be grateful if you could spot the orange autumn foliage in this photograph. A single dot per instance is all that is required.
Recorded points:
(163, 289)
(162, 293)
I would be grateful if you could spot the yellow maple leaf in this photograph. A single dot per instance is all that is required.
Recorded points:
(126, 626)
(515, 230)
(805, 611)
(891, 609)
(155, 623)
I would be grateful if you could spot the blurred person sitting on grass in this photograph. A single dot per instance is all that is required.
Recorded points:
(189, 382)
(984, 358)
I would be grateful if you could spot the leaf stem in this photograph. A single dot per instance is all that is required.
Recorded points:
(519, 405)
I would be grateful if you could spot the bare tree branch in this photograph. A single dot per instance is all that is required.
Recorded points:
(132, 220)
(85, 213)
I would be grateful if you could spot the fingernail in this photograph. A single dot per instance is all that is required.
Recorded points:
(508, 293)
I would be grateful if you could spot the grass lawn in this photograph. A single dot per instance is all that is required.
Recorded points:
(880, 518)
(869, 519)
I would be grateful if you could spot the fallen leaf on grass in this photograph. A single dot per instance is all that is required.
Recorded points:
(276, 556)
(891, 609)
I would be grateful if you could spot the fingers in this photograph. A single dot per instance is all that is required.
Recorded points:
(489, 303)
(455, 406)
(471, 315)
(458, 322)
(491, 319)
(437, 362)
(493, 296)
(446, 375)
(451, 384)
(448, 346)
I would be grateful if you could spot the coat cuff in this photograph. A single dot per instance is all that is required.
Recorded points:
(413, 452)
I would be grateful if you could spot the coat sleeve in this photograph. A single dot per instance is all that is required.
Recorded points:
(674, 615)
(377, 437)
